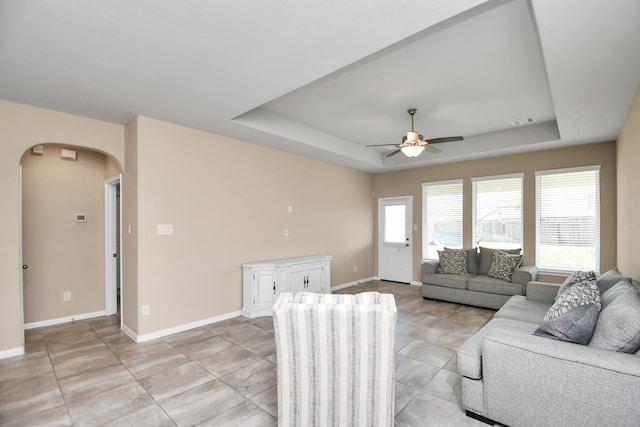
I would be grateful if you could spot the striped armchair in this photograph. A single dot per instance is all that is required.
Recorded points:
(335, 359)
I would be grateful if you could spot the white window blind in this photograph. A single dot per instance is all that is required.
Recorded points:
(568, 219)
(497, 211)
(441, 217)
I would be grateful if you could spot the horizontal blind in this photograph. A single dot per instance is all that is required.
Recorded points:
(497, 211)
(441, 217)
(568, 219)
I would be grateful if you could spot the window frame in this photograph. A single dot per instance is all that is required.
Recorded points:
(425, 220)
(597, 226)
(474, 206)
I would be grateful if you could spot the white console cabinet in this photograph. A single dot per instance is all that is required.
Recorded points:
(263, 281)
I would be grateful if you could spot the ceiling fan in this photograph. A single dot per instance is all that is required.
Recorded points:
(413, 143)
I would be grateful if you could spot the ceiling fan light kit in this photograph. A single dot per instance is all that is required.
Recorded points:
(413, 144)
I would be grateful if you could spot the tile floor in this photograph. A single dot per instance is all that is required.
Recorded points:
(90, 373)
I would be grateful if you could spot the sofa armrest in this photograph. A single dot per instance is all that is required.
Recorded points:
(530, 380)
(430, 266)
(524, 274)
(542, 291)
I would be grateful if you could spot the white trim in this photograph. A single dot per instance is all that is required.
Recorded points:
(12, 352)
(350, 284)
(180, 328)
(497, 177)
(568, 170)
(415, 283)
(408, 202)
(448, 181)
(60, 320)
(110, 240)
(129, 332)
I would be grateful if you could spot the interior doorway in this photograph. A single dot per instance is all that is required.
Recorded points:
(112, 261)
(395, 219)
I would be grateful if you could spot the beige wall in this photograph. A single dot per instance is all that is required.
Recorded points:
(228, 203)
(628, 156)
(409, 183)
(129, 226)
(22, 127)
(62, 254)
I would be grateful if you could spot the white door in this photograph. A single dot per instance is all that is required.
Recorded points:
(395, 239)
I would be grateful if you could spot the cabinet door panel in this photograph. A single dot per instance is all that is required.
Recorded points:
(296, 278)
(315, 277)
(264, 283)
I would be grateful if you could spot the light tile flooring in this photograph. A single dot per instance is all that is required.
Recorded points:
(90, 373)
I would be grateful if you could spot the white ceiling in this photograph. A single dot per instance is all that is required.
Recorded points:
(326, 78)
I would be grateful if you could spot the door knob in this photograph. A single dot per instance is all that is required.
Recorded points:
(25, 266)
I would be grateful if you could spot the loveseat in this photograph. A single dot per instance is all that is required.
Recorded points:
(516, 378)
(470, 283)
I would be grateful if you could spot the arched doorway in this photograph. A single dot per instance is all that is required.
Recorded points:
(66, 234)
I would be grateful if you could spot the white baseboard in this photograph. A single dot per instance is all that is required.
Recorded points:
(180, 328)
(12, 352)
(415, 283)
(349, 284)
(60, 320)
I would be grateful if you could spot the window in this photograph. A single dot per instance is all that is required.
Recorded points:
(394, 224)
(568, 219)
(497, 211)
(441, 217)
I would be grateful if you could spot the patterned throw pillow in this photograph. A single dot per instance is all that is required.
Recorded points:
(503, 265)
(581, 293)
(452, 261)
(575, 277)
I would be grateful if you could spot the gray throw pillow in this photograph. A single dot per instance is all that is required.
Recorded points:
(613, 292)
(503, 265)
(575, 277)
(618, 328)
(452, 261)
(608, 279)
(581, 293)
(576, 325)
(486, 257)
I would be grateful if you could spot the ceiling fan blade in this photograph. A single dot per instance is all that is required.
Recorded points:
(382, 145)
(432, 150)
(445, 139)
(393, 153)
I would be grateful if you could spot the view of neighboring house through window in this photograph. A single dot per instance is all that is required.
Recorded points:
(497, 211)
(441, 217)
(568, 219)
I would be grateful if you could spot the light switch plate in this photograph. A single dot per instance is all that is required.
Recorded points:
(164, 229)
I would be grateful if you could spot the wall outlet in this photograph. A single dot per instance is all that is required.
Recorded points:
(66, 296)
(286, 233)
(146, 310)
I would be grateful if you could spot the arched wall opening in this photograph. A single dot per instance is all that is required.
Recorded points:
(68, 236)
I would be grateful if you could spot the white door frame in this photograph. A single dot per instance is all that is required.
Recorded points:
(408, 245)
(111, 245)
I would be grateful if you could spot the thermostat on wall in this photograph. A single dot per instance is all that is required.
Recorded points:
(81, 217)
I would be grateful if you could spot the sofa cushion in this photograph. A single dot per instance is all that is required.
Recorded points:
(520, 308)
(576, 325)
(575, 277)
(452, 261)
(609, 279)
(618, 328)
(486, 256)
(581, 293)
(613, 292)
(503, 265)
(494, 286)
(457, 281)
(469, 354)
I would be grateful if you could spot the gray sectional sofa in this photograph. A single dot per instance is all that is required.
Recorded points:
(516, 378)
(475, 287)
